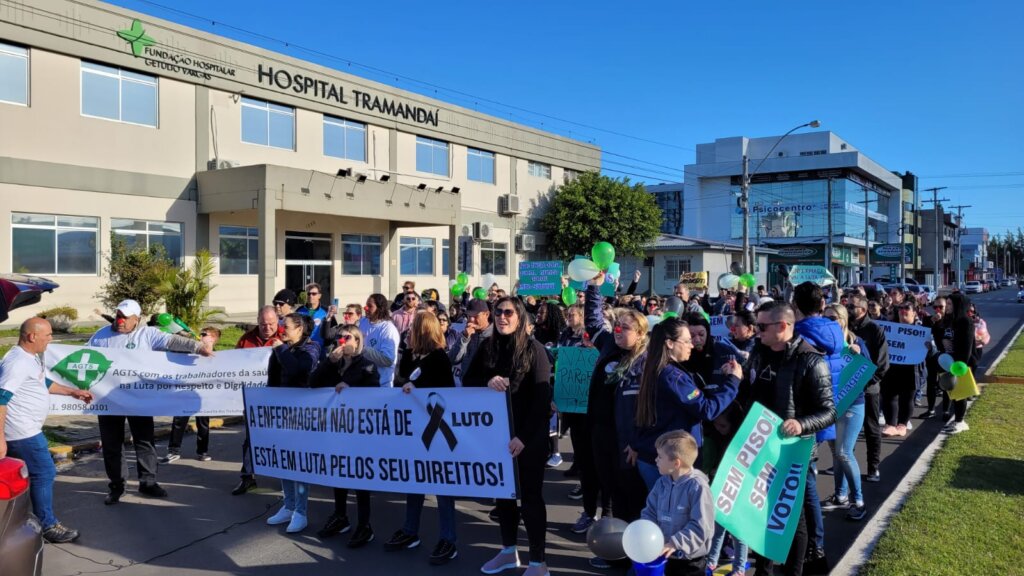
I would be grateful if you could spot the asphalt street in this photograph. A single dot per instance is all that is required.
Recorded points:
(202, 529)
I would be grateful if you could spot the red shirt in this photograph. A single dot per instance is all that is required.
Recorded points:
(252, 339)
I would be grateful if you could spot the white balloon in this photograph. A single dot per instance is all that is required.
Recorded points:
(945, 361)
(728, 281)
(452, 282)
(653, 320)
(582, 270)
(488, 280)
(643, 541)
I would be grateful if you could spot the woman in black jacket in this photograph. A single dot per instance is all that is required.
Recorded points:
(346, 367)
(901, 382)
(957, 340)
(512, 362)
(426, 365)
(292, 362)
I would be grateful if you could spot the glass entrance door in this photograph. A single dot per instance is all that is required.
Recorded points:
(308, 259)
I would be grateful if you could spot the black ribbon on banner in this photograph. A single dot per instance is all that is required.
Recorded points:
(435, 407)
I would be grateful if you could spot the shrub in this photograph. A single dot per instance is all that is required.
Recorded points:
(61, 318)
(186, 289)
(134, 273)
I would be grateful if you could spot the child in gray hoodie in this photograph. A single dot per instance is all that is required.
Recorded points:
(680, 504)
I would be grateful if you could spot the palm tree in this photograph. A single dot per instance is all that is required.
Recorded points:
(186, 289)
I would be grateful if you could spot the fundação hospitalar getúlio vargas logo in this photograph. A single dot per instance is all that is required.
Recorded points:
(83, 368)
(136, 36)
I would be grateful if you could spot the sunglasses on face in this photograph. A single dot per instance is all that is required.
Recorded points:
(314, 293)
(204, 334)
(279, 303)
(348, 313)
(764, 326)
(411, 298)
(506, 312)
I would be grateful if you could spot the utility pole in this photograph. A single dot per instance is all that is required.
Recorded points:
(938, 233)
(956, 238)
(745, 206)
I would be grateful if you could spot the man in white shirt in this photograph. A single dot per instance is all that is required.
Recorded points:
(128, 333)
(24, 405)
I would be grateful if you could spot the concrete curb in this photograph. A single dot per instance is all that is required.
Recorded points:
(161, 431)
(862, 548)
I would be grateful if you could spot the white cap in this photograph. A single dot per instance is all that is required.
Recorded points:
(129, 308)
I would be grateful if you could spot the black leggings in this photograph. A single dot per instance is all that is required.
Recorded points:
(533, 510)
(583, 461)
(897, 401)
(362, 505)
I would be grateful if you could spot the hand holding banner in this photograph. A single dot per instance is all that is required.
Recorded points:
(759, 487)
(854, 376)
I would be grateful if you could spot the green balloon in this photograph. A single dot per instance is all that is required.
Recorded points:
(603, 254)
(458, 289)
(958, 369)
(568, 295)
(668, 315)
(480, 293)
(748, 280)
(462, 278)
(164, 319)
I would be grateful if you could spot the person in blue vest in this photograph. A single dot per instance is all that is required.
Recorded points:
(321, 316)
(826, 336)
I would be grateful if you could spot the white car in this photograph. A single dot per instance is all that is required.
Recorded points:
(973, 287)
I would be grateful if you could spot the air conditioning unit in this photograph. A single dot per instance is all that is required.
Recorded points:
(526, 243)
(219, 164)
(509, 204)
(483, 231)
(466, 230)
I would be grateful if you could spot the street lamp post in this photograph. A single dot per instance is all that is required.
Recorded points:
(748, 250)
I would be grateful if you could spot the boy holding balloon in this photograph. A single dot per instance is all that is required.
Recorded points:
(679, 507)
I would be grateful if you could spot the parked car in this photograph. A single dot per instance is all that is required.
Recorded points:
(973, 287)
(17, 290)
(992, 285)
(1006, 283)
(21, 535)
(923, 296)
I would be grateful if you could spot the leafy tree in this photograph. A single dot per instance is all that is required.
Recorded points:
(186, 289)
(594, 208)
(134, 273)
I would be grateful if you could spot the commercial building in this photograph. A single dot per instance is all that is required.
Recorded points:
(806, 179)
(114, 122)
(974, 256)
(937, 245)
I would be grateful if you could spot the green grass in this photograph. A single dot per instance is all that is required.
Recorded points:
(229, 336)
(1013, 364)
(53, 436)
(967, 516)
(13, 332)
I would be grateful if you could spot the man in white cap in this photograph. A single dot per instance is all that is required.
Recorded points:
(126, 332)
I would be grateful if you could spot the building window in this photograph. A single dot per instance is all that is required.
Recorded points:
(416, 256)
(144, 234)
(13, 74)
(360, 255)
(239, 250)
(431, 156)
(268, 124)
(494, 258)
(568, 175)
(445, 252)
(49, 244)
(120, 95)
(480, 166)
(676, 266)
(540, 170)
(344, 139)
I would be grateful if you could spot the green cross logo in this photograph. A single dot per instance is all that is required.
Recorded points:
(83, 368)
(137, 37)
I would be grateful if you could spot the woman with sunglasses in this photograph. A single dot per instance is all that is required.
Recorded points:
(451, 336)
(381, 338)
(611, 402)
(510, 361)
(292, 362)
(426, 365)
(346, 367)
(846, 470)
(901, 382)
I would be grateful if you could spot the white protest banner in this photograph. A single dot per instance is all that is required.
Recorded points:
(806, 273)
(145, 383)
(908, 343)
(720, 326)
(445, 441)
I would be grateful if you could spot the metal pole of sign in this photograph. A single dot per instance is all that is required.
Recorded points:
(745, 206)
(828, 248)
(867, 239)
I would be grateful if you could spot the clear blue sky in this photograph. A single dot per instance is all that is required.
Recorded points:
(932, 87)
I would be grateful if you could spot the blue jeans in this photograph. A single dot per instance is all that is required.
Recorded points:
(847, 471)
(445, 515)
(812, 505)
(41, 473)
(739, 550)
(296, 495)
(649, 472)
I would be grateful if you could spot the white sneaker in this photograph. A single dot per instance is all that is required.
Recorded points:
(283, 515)
(298, 523)
(956, 428)
(555, 461)
(910, 425)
